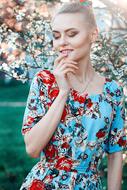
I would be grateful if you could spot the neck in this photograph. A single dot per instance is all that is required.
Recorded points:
(85, 70)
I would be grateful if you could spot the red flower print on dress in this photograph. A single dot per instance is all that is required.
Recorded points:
(53, 92)
(51, 152)
(65, 145)
(122, 142)
(37, 185)
(100, 134)
(79, 98)
(89, 103)
(41, 93)
(25, 130)
(30, 120)
(64, 163)
(48, 179)
(46, 76)
(108, 79)
(48, 104)
(64, 114)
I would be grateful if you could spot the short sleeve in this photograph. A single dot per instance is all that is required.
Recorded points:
(117, 135)
(35, 106)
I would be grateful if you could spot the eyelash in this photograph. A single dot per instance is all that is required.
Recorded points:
(72, 35)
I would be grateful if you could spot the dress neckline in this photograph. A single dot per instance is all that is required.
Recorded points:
(74, 92)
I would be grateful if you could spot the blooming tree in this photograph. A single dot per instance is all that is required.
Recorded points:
(26, 41)
(25, 38)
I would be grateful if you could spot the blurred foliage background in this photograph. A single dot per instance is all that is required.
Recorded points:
(25, 48)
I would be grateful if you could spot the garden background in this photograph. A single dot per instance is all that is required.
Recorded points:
(25, 48)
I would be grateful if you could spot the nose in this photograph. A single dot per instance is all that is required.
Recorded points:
(63, 41)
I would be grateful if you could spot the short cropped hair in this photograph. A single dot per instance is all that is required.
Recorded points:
(78, 7)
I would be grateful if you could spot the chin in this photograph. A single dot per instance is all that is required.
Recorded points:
(76, 59)
(77, 56)
(73, 57)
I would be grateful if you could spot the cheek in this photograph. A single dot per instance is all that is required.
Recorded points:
(83, 43)
(82, 48)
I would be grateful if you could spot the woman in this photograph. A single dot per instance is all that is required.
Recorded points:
(73, 114)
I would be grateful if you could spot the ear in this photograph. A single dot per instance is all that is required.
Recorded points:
(94, 35)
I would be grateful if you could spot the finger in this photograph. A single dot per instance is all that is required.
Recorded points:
(69, 70)
(68, 61)
(69, 65)
(56, 62)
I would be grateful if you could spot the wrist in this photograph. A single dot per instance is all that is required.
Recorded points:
(64, 93)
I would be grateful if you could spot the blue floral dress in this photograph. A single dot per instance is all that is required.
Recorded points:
(90, 126)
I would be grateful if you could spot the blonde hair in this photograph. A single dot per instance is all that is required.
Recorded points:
(78, 7)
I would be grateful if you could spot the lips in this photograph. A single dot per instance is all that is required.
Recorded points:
(66, 51)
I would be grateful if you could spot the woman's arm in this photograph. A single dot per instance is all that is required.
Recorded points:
(114, 171)
(37, 138)
(40, 134)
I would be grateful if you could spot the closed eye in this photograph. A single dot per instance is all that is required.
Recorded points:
(72, 34)
(55, 37)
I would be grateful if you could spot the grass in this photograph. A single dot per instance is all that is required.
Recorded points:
(14, 162)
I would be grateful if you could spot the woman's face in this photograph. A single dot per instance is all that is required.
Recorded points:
(70, 32)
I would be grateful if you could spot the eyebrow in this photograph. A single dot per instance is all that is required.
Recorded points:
(65, 30)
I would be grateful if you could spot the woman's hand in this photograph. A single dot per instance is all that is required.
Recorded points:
(62, 66)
